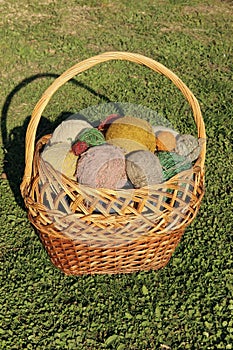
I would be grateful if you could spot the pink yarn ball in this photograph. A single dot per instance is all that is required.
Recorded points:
(102, 167)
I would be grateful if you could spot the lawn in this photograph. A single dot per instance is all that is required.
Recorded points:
(189, 303)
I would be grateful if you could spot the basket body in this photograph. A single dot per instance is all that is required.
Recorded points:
(140, 237)
(77, 258)
(119, 231)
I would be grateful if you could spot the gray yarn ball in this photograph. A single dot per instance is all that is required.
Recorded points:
(143, 168)
(187, 146)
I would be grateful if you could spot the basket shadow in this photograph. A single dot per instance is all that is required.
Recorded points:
(14, 141)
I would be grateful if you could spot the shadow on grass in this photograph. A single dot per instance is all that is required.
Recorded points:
(14, 141)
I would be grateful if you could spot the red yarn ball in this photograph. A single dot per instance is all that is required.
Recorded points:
(79, 147)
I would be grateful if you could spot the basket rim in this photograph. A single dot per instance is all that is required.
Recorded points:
(87, 64)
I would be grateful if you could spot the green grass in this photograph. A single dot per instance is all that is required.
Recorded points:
(189, 303)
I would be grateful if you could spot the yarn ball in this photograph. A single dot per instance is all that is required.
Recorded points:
(104, 125)
(143, 168)
(172, 164)
(91, 136)
(132, 128)
(68, 130)
(127, 145)
(61, 158)
(158, 128)
(188, 146)
(165, 141)
(102, 167)
(79, 147)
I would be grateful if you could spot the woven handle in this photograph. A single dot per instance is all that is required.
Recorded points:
(83, 66)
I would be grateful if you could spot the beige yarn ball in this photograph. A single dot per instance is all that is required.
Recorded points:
(61, 158)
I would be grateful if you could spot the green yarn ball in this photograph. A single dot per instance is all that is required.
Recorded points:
(92, 137)
(172, 164)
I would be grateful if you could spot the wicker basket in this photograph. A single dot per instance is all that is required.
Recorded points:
(119, 237)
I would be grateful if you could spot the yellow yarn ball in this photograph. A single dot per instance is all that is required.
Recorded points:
(132, 128)
(61, 158)
(69, 165)
(127, 145)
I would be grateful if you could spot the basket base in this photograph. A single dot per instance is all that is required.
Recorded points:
(77, 258)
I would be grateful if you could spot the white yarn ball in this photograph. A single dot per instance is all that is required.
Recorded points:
(158, 128)
(68, 131)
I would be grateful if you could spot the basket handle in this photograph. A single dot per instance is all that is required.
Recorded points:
(85, 65)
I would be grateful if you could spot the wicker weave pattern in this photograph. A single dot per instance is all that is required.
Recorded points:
(87, 230)
(77, 258)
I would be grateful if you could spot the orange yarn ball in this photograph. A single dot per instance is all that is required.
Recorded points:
(165, 141)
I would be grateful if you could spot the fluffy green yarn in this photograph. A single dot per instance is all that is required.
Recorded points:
(172, 164)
